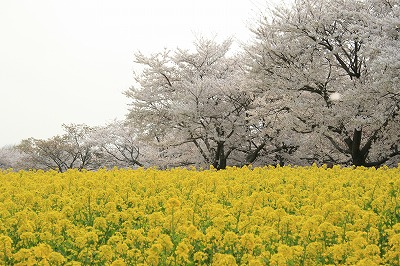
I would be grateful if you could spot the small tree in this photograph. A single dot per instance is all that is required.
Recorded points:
(118, 145)
(74, 149)
(10, 157)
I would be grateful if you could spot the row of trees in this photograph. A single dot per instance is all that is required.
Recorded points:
(318, 83)
(80, 147)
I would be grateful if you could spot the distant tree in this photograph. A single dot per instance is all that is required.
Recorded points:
(326, 74)
(82, 145)
(190, 105)
(47, 154)
(74, 149)
(10, 157)
(118, 145)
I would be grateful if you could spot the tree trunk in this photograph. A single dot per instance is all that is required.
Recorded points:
(252, 156)
(220, 158)
(358, 154)
(222, 162)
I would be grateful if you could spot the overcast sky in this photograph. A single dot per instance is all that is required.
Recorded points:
(70, 61)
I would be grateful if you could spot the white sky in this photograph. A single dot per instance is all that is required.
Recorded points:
(69, 61)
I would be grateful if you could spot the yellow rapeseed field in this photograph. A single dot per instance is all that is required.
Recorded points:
(238, 216)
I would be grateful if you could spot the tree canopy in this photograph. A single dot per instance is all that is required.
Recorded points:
(330, 70)
(190, 103)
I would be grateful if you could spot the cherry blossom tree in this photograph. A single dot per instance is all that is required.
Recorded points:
(10, 158)
(74, 149)
(326, 77)
(190, 105)
(119, 146)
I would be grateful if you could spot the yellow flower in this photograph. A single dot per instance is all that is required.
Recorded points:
(134, 255)
(153, 233)
(247, 241)
(173, 203)
(314, 249)
(256, 262)
(393, 254)
(118, 262)
(56, 258)
(278, 259)
(115, 239)
(358, 243)
(5, 247)
(42, 251)
(44, 262)
(373, 253)
(121, 249)
(199, 257)
(152, 259)
(373, 235)
(91, 238)
(182, 251)
(192, 231)
(284, 215)
(25, 227)
(80, 242)
(100, 223)
(394, 241)
(155, 249)
(28, 239)
(113, 218)
(165, 241)
(223, 260)
(156, 219)
(338, 252)
(106, 253)
(231, 238)
(213, 235)
(367, 261)
(23, 255)
(327, 230)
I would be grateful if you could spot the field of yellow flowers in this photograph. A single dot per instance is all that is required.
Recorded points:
(239, 216)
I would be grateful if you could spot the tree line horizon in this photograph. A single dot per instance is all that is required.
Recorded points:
(317, 83)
